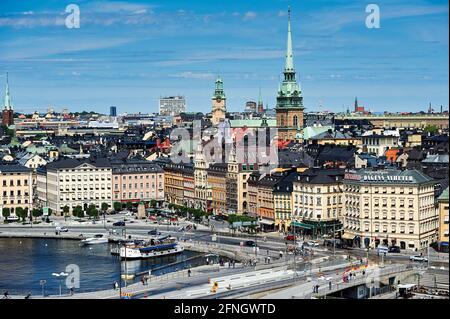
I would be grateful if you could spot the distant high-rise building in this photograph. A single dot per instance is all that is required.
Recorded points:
(112, 111)
(8, 111)
(172, 105)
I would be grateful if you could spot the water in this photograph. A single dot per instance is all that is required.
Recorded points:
(25, 262)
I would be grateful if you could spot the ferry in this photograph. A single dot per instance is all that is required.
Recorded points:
(97, 239)
(155, 248)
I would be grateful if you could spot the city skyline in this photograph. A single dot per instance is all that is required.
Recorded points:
(336, 56)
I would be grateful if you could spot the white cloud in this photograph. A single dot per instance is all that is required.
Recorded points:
(250, 15)
(193, 75)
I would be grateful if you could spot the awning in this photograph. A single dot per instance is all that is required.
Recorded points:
(301, 225)
(348, 236)
(266, 222)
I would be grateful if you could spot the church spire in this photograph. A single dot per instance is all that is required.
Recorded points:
(7, 104)
(289, 65)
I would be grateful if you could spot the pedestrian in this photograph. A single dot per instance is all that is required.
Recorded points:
(71, 291)
(234, 263)
(207, 261)
(281, 254)
(143, 281)
(116, 285)
(329, 285)
(364, 272)
(189, 273)
(268, 259)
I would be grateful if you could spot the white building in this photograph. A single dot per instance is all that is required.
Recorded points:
(172, 105)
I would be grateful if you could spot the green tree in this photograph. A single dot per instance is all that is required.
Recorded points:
(6, 212)
(105, 207)
(117, 206)
(66, 210)
(21, 213)
(432, 129)
(92, 211)
(153, 203)
(36, 212)
(129, 205)
(78, 211)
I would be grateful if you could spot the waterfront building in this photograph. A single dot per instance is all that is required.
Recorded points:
(390, 207)
(71, 182)
(137, 181)
(202, 189)
(217, 180)
(176, 177)
(289, 107)
(8, 111)
(219, 106)
(443, 220)
(16, 187)
(318, 199)
(172, 105)
(283, 200)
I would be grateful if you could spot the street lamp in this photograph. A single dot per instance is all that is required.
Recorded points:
(60, 277)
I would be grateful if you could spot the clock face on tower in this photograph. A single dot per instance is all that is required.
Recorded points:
(218, 99)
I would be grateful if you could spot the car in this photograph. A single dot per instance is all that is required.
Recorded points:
(418, 258)
(394, 249)
(119, 224)
(62, 229)
(290, 237)
(154, 232)
(312, 243)
(250, 243)
(382, 249)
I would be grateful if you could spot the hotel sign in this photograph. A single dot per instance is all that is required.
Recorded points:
(352, 176)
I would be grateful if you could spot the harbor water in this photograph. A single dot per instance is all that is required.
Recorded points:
(26, 263)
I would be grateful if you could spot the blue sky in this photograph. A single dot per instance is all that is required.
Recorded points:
(129, 53)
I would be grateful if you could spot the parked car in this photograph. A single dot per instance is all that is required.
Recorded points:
(418, 258)
(312, 243)
(250, 243)
(119, 224)
(290, 237)
(394, 249)
(382, 249)
(154, 232)
(62, 229)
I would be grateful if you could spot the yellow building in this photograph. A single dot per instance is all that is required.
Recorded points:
(443, 220)
(390, 207)
(15, 187)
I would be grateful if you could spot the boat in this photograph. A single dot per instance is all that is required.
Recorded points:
(159, 247)
(97, 239)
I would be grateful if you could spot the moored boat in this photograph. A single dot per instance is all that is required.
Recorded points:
(155, 248)
(97, 239)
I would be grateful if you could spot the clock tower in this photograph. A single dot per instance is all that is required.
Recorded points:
(219, 106)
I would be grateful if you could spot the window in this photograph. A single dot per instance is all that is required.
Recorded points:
(295, 120)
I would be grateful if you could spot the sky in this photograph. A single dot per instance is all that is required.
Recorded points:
(128, 54)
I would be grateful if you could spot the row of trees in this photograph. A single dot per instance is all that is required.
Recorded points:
(23, 213)
(118, 206)
(183, 210)
(91, 210)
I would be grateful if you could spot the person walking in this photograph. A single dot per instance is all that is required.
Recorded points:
(189, 273)
(329, 285)
(268, 259)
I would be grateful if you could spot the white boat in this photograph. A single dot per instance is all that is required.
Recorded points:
(155, 248)
(97, 239)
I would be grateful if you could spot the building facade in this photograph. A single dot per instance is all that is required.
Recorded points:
(16, 187)
(72, 183)
(443, 220)
(390, 207)
(172, 105)
(137, 181)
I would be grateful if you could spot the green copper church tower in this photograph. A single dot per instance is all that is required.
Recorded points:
(289, 107)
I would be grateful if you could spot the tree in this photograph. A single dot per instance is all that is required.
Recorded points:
(21, 213)
(432, 129)
(105, 207)
(78, 211)
(36, 212)
(129, 205)
(6, 212)
(153, 203)
(66, 210)
(92, 211)
(117, 206)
